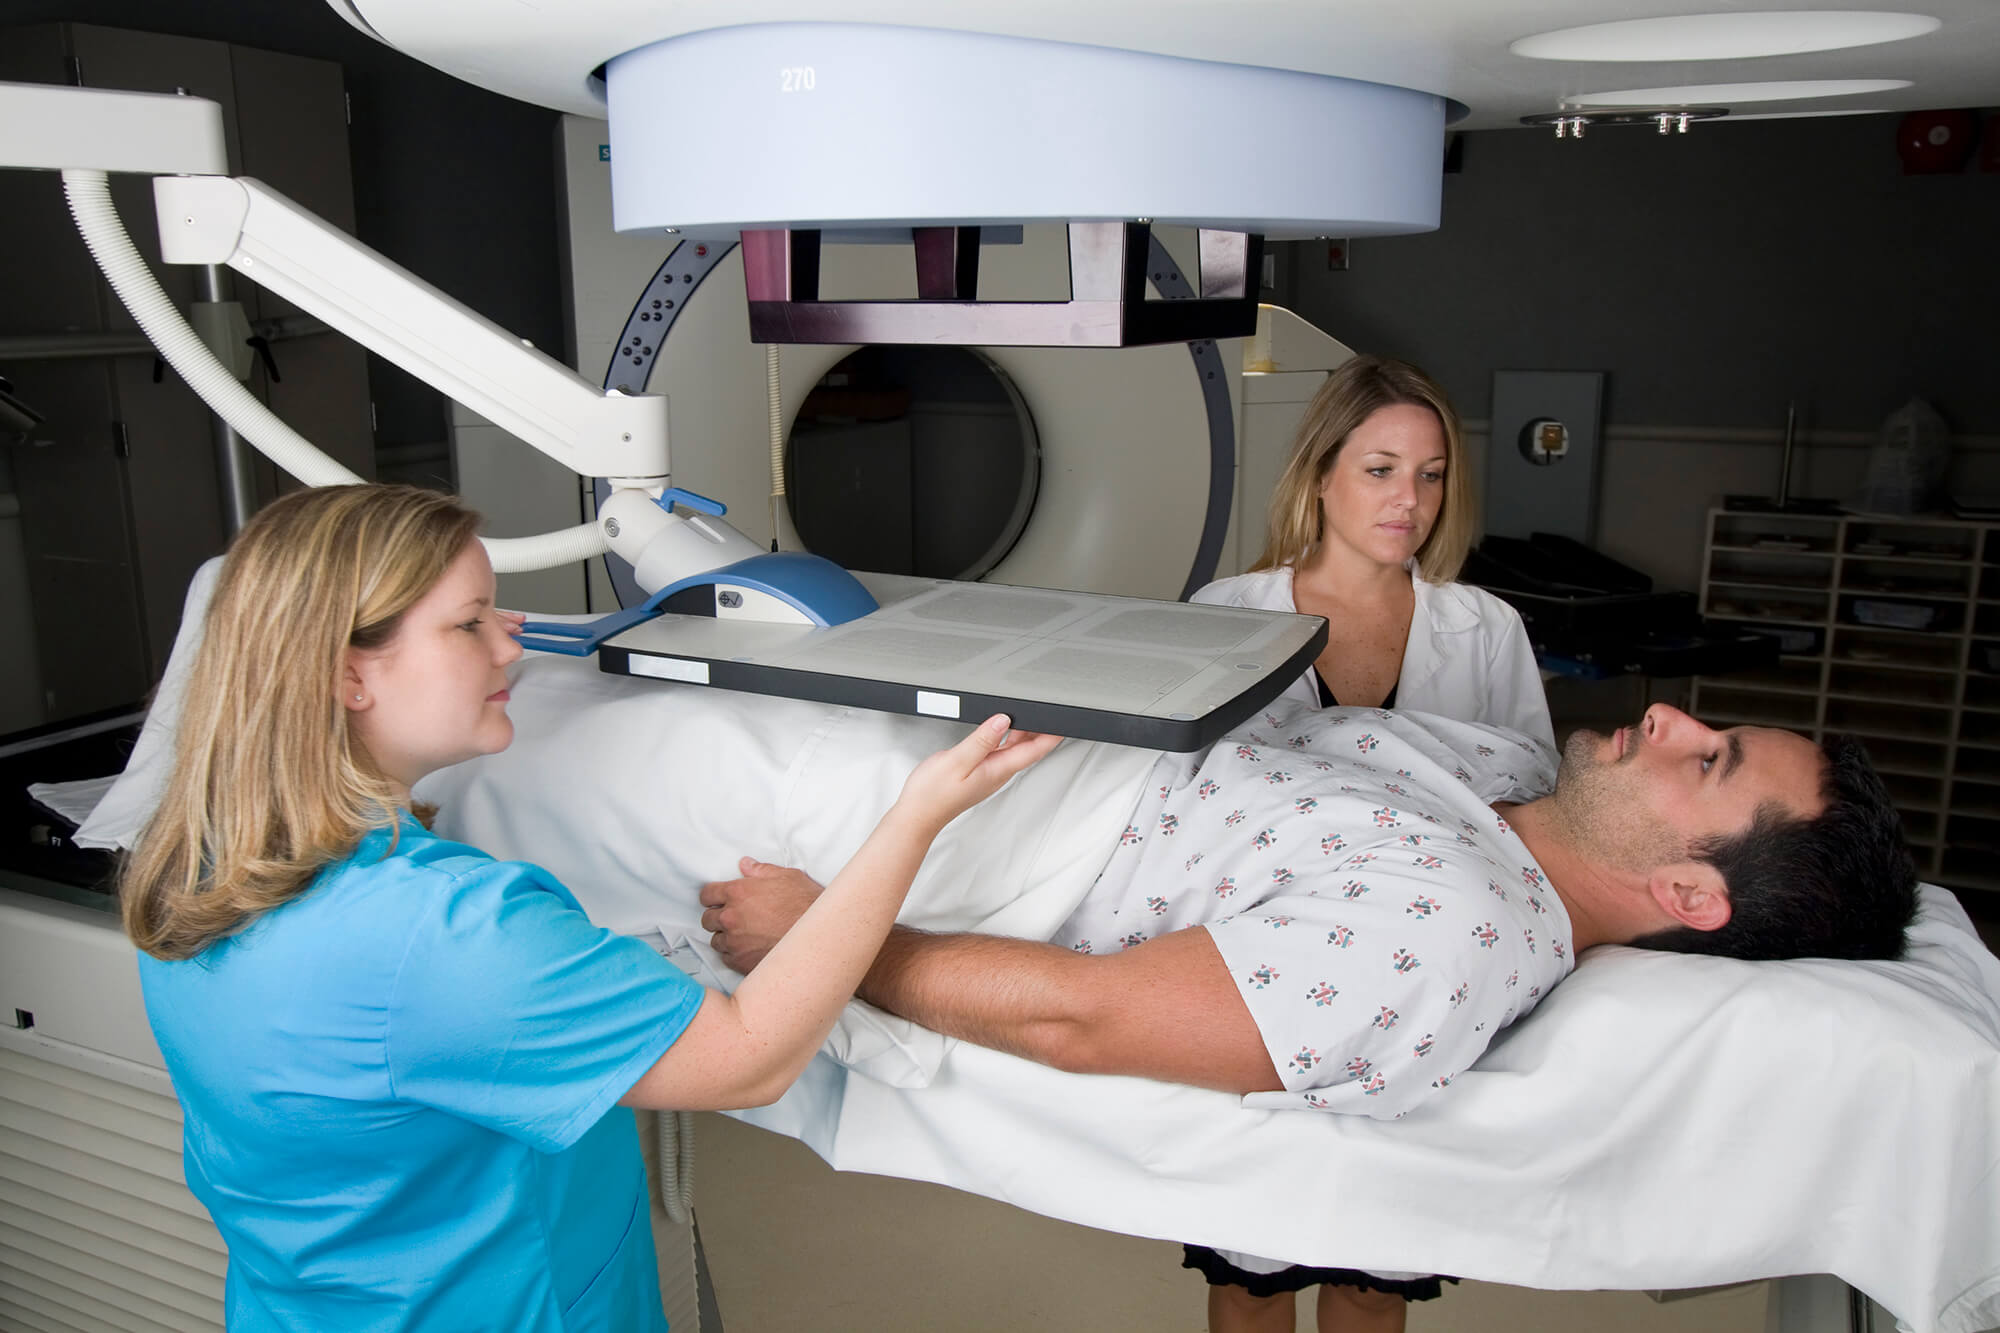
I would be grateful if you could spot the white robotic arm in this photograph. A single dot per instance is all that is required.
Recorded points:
(208, 217)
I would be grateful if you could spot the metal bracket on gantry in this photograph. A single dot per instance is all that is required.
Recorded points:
(1108, 267)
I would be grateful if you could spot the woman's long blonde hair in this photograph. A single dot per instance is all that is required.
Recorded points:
(269, 784)
(1354, 392)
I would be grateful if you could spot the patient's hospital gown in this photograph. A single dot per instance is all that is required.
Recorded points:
(1381, 921)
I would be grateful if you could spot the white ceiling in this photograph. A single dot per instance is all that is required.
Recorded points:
(545, 53)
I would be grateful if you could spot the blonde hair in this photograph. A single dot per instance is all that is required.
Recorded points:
(269, 784)
(1357, 390)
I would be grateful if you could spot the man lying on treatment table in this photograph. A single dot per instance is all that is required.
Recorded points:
(1340, 909)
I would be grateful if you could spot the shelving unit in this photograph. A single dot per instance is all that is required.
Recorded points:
(1891, 632)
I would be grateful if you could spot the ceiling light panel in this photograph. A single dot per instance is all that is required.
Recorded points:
(1724, 36)
(1734, 94)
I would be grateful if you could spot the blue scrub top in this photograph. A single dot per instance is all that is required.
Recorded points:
(395, 1089)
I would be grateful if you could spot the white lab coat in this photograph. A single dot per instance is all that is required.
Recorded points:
(1467, 658)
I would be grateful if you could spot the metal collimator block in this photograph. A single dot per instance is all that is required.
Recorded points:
(1107, 305)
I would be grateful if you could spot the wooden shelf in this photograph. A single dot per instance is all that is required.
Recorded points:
(1949, 561)
(1762, 687)
(1770, 620)
(1849, 696)
(1901, 772)
(1863, 678)
(1935, 635)
(1889, 664)
(1771, 587)
(1818, 552)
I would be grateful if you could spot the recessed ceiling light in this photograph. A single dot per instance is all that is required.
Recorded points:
(1724, 36)
(1731, 94)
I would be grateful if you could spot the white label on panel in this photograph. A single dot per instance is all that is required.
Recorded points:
(667, 668)
(932, 704)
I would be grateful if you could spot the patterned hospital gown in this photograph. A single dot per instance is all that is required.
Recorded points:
(1380, 919)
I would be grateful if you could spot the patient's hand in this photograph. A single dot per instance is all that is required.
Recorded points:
(747, 916)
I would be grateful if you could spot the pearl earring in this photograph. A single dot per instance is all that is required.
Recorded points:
(357, 698)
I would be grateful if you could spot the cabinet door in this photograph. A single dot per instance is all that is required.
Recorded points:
(173, 491)
(90, 642)
(120, 490)
(293, 134)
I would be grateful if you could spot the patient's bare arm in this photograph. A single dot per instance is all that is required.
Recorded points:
(1165, 1009)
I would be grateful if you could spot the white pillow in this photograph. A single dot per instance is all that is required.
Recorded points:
(122, 814)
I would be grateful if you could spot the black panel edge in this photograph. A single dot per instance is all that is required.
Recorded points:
(1179, 736)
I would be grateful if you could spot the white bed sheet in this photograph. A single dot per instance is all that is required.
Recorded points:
(1661, 1121)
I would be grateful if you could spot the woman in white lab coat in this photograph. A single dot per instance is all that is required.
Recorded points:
(1369, 527)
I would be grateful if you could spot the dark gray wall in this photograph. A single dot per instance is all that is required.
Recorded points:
(454, 183)
(1714, 275)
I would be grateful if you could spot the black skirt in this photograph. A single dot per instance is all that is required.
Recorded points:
(1221, 1273)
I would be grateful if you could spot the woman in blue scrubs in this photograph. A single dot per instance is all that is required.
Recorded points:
(399, 1058)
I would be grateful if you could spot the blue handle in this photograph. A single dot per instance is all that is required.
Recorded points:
(674, 495)
(584, 638)
(822, 591)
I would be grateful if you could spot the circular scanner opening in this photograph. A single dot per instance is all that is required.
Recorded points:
(913, 460)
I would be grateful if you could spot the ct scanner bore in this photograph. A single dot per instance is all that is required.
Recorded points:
(917, 460)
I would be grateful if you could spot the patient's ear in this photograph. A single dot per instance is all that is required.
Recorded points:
(1692, 893)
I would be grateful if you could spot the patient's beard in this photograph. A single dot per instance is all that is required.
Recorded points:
(1603, 812)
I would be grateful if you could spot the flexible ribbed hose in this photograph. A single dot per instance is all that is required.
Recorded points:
(89, 195)
(774, 411)
(676, 1137)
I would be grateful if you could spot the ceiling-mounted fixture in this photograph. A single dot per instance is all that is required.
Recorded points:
(1666, 119)
(1706, 94)
(1724, 36)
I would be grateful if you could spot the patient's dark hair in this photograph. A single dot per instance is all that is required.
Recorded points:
(1840, 885)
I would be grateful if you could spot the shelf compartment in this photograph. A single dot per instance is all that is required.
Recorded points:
(1789, 710)
(1914, 541)
(1919, 826)
(1916, 758)
(1868, 646)
(1779, 569)
(1982, 691)
(1906, 578)
(1745, 588)
(1979, 729)
(1980, 800)
(1902, 614)
(1977, 766)
(1892, 686)
(1911, 792)
(1780, 604)
(1971, 836)
(1758, 532)
(1875, 718)
(1789, 675)
(1966, 869)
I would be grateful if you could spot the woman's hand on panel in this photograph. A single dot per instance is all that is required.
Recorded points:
(952, 781)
